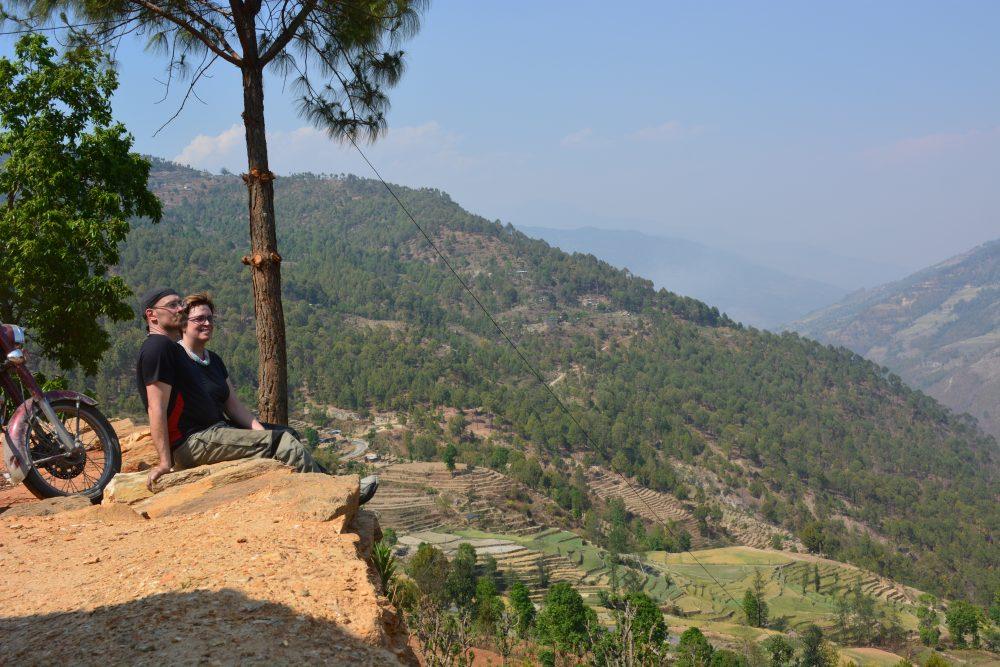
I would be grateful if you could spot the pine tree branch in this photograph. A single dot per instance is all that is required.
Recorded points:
(195, 32)
(286, 35)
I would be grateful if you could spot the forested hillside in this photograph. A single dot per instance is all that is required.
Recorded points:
(818, 440)
(939, 329)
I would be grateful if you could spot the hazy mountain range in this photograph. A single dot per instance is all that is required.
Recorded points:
(748, 292)
(938, 328)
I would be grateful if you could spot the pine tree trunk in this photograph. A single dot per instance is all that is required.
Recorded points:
(264, 260)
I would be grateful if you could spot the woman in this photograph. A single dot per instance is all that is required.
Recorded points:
(224, 441)
(199, 325)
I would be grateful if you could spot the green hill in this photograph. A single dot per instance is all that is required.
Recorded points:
(815, 439)
(939, 329)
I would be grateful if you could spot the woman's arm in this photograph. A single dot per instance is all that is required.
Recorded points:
(239, 412)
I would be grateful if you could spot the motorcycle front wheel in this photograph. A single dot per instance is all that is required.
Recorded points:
(85, 471)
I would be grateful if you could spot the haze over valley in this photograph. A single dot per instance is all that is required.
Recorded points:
(748, 292)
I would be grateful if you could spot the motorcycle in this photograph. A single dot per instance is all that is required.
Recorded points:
(57, 442)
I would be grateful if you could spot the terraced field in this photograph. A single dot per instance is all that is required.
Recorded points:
(750, 531)
(838, 578)
(713, 581)
(528, 564)
(644, 502)
(590, 564)
(423, 496)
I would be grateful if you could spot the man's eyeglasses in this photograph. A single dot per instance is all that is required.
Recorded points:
(202, 319)
(173, 305)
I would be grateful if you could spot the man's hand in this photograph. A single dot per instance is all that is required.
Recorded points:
(155, 473)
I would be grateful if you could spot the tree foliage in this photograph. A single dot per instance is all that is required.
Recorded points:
(565, 622)
(341, 58)
(69, 183)
(755, 608)
(779, 651)
(520, 601)
(429, 569)
(963, 619)
(461, 582)
(693, 649)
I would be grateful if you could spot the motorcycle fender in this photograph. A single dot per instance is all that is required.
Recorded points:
(15, 456)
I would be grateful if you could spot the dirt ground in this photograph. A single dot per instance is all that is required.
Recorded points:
(230, 570)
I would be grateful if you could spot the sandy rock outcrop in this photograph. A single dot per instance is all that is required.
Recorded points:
(138, 452)
(236, 563)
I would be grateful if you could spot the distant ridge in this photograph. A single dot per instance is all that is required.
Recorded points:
(748, 292)
(938, 328)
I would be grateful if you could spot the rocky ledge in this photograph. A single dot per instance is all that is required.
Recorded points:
(235, 563)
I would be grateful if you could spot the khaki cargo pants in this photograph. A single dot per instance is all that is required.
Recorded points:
(222, 442)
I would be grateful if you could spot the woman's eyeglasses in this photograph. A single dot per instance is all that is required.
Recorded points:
(202, 319)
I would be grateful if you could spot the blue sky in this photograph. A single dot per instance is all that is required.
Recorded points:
(794, 133)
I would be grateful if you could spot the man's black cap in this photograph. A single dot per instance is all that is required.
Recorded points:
(149, 299)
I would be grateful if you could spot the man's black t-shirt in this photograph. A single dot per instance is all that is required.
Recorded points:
(197, 394)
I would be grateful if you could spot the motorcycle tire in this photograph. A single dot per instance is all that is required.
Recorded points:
(85, 473)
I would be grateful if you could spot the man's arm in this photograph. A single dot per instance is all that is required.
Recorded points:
(158, 395)
(238, 412)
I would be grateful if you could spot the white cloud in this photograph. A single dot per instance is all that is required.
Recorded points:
(211, 152)
(577, 138)
(410, 148)
(668, 131)
(930, 146)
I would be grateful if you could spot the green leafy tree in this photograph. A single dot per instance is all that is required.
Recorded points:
(565, 622)
(779, 651)
(449, 456)
(456, 425)
(684, 540)
(962, 619)
(928, 621)
(750, 608)
(693, 649)
(69, 183)
(430, 570)
(491, 571)
(727, 658)
(461, 583)
(814, 538)
(995, 607)
(312, 437)
(755, 608)
(342, 57)
(520, 601)
(857, 616)
(488, 606)
(639, 633)
(647, 619)
(816, 651)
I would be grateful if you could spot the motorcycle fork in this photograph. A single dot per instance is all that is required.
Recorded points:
(66, 441)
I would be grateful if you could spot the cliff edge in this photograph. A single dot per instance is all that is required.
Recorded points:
(240, 562)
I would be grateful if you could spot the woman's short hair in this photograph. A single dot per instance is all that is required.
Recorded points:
(197, 299)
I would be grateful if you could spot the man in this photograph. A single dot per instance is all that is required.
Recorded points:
(157, 374)
(182, 409)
